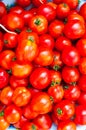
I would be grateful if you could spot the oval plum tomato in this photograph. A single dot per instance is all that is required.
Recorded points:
(41, 103)
(40, 78)
(62, 42)
(82, 98)
(3, 123)
(67, 125)
(82, 65)
(44, 57)
(70, 75)
(71, 92)
(64, 110)
(6, 58)
(43, 121)
(23, 3)
(17, 9)
(80, 115)
(56, 93)
(72, 3)
(81, 47)
(14, 22)
(2, 9)
(38, 3)
(82, 10)
(21, 96)
(21, 70)
(47, 11)
(15, 82)
(4, 78)
(6, 95)
(62, 10)
(12, 114)
(82, 82)
(29, 126)
(47, 41)
(10, 40)
(39, 24)
(74, 29)
(70, 56)
(28, 113)
(56, 28)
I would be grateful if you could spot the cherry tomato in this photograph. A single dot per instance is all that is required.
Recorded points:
(3, 123)
(82, 82)
(2, 9)
(29, 126)
(52, 4)
(57, 1)
(72, 3)
(82, 10)
(82, 98)
(38, 3)
(17, 9)
(82, 65)
(23, 3)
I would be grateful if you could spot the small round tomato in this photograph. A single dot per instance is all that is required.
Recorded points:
(47, 11)
(51, 3)
(64, 110)
(12, 114)
(39, 24)
(17, 9)
(56, 28)
(21, 96)
(82, 82)
(38, 3)
(82, 10)
(70, 56)
(57, 1)
(29, 126)
(40, 78)
(2, 9)
(62, 10)
(82, 65)
(10, 40)
(70, 75)
(6, 95)
(43, 121)
(82, 98)
(72, 3)
(41, 103)
(3, 123)
(23, 3)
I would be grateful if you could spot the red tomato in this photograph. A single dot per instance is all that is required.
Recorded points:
(72, 3)
(6, 95)
(70, 75)
(82, 10)
(38, 3)
(80, 115)
(57, 1)
(29, 126)
(2, 9)
(17, 9)
(41, 103)
(12, 114)
(82, 65)
(23, 3)
(47, 11)
(21, 96)
(52, 4)
(82, 98)
(64, 110)
(3, 123)
(70, 56)
(82, 82)
(40, 78)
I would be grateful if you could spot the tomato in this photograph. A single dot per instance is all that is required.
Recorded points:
(44, 57)
(2, 9)
(21, 70)
(4, 78)
(39, 24)
(82, 10)
(70, 56)
(62, 10)
(73, 26)
(29, 126)
(38, 3)
(82, 82)
(56, 93)
(28, 113)
(56, 28)
(70, 75)
(81, 47)
(57, 1)
(40, 78)
(41, 103)
(52, 4)
(6, 95)
(21, 96)
(72, 3)
(23, 3)
(15, 82)
(47, 11)
(80, 115)
(47, 41)
(10, 40)
(17, 9)
(82, 65)
(3, 123)
(43, 121)
(71, 92)
(64, 110)
(82, 98)
(62, 42)
(14, 21)
(12, 114)
(67, 125)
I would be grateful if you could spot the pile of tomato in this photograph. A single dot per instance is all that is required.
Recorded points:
(43, 65)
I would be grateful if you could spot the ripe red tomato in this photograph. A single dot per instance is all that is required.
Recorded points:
(82, 98)
(51, 3)
(2, 9)
(29, 126)
(23, 3)
(17, 9)
(82, 10)
(82, 65)
(82, 82)
(3, 123)
(38, 3)
(40, 78)
(72, 3)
